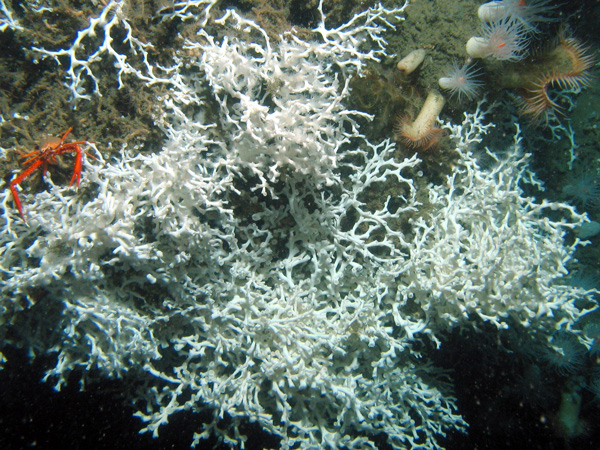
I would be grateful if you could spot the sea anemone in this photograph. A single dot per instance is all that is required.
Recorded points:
(585, 278)
(569, 66)
(461, 81)
(504, 39)
(564, 354)
(584, 190)
(592, 332)
(594, 385)
(525, 12)
(422, 133)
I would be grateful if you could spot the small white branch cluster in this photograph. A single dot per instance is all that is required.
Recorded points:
(486, 249)
(260, 264)
(282, 106)
(7, 21)
(188, 10)
(96, 43)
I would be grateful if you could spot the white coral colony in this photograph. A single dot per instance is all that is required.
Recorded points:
(239, 270)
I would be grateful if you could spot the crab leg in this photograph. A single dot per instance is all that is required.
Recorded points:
(18, 180)
(62, 139)
(77, 168)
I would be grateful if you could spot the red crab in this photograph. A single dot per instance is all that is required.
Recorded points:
(45, 155)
